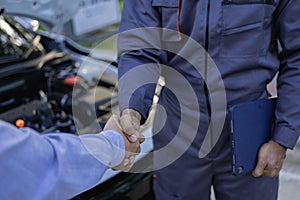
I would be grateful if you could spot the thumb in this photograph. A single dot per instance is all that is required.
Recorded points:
(141, 138)
(130, 127)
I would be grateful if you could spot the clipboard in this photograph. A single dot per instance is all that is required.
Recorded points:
(251, 125)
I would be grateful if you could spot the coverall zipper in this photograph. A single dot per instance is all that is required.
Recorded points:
(206, 39)
(208, 100)
(206, 46)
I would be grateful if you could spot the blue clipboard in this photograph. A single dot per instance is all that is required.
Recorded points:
(251, 125)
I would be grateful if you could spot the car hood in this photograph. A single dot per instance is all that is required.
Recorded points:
(54, 13)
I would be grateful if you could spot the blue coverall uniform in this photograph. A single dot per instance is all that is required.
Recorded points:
(241, 37)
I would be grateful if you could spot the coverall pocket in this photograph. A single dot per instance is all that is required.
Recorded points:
(243, 27)
(169, 19)
(239, 2)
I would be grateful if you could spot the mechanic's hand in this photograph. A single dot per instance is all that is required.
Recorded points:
(131, 148)
(130, 123)
(270, 160)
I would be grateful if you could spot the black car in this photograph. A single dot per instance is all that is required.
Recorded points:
(38, 72)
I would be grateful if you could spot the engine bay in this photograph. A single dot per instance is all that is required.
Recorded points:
(40, 96)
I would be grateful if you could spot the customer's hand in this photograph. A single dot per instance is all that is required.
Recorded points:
(131, 148)
(270, 160)
(130, 123)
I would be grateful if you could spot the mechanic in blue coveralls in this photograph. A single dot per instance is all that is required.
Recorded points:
(241, 38)
(59, 165)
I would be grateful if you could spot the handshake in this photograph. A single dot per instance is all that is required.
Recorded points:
(128, 125)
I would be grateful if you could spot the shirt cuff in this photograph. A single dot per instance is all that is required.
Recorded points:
(108, 147)
(285, 136)
(118, 146)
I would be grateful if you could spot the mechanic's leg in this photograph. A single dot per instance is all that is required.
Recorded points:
(227, 186)
(187, 178)
(230, 187)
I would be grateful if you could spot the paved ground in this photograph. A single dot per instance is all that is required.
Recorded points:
(289, 188)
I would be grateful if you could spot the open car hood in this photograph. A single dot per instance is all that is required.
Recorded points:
(54, 13)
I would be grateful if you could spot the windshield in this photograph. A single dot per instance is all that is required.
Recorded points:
(16, 43)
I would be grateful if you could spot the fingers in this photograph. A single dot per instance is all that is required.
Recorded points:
(133, 145)
(113, 124)
(273, 168)
(132, 149)
(141, 138)
(260, 167)
(270, 160)
(271, 172)
(130, 126)
(124, 166)
(129, 161)
(127, 164)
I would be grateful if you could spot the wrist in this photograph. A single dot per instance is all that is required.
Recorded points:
(118, 147)
(279, 145)
(132, 112)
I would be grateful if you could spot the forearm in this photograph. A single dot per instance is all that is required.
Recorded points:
(287, 127)
(140, 55)
(54, 166)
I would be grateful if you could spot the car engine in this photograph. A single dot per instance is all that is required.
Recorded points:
(42, 98)
(37, 79)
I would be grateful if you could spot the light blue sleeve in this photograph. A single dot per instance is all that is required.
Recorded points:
(54, 166)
